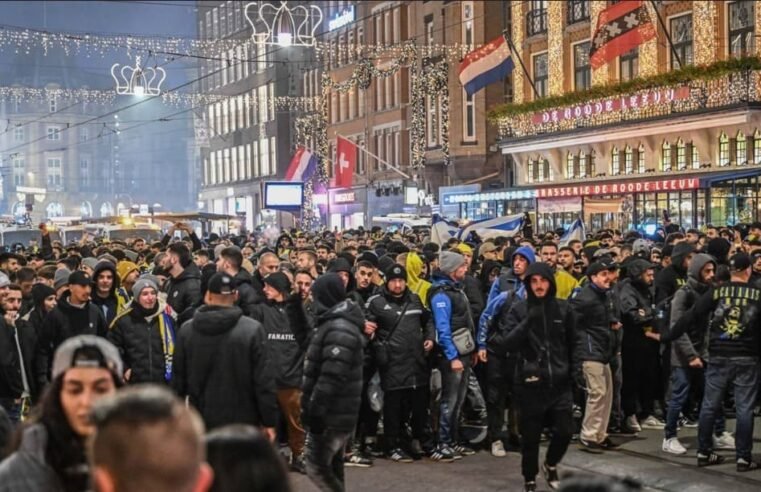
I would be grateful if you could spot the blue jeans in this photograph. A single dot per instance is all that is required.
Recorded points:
(454, 388)
(742, 374)
(681, 382)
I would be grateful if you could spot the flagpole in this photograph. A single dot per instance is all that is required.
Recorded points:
(393, 168)
(509, 40)
(668, 35)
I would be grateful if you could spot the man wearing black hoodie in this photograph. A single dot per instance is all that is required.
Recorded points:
(230, 261)
(221, 362)
(671, 278)
(332, 384)
(183, 289)
(105, 283)
(543, 338)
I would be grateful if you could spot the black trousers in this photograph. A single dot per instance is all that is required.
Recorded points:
(542, 408)
(402, 406)
(324, 455)
(641, 377)
(497, 390)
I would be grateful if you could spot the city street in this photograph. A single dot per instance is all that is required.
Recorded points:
(640, 459)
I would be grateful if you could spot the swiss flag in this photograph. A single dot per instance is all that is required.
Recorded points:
(346, 162)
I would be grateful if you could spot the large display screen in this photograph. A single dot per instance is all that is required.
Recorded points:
(283, 195)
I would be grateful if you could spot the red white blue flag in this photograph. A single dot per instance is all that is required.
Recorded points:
(302, 166)
(488, 64)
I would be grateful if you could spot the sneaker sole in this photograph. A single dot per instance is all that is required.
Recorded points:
(499, 455)
(677, 453)
(442, 460)
(358, 465)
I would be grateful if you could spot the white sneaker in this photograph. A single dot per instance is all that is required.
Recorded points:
(632, 423)
(653, 423)
(498, 449)
(673, 446)
(725, 441)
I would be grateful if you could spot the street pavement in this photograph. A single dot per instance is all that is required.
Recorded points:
(639, 458)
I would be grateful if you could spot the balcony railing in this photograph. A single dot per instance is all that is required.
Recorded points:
(578, 11)
(536, 22)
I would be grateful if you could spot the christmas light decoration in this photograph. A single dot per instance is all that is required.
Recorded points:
(599, 75)
(704, 32)
(648, 51)
(555, 47)
(138, 81)
(285, 26)
(517, 32)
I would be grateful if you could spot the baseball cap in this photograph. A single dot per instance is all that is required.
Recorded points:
(739, 262)
(80, 277)
(221, 283)
(487, 247)
(87, 351)
(601, 265)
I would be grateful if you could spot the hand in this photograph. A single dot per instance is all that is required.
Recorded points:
(370, 327)
(428, 345)
(474, 359)
(270, 433)
(616, 326)
(457, 366)
(128, 375)
(653, 335)
(696, 363)
(10, 317)
(482, 355)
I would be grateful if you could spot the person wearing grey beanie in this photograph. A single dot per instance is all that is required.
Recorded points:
(61, 280)
(449, 261)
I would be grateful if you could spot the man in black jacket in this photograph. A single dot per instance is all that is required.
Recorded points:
(596, 347)
(543, 336)
(73, 315)
(17, 344)
(230, 261)
(332, 382)
(105, 283)
(221, 362)
(183, 289)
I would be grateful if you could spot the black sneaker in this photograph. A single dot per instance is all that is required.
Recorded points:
(590, 447)
(710, 459)
(529, 487)
(624, 430)
(688, 423)
(400, 456)
(442, 453)
(416, 449)
(358, 459)
(464, 450)
(609, 445)
(747, 465)
(297, 464)
(551, 475)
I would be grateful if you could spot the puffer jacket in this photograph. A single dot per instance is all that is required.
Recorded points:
(140, 344)
(221, 362)
(407, 366)
(332, 385)
(62, 323)
(286, 356)
(27, 468)
(596, 341)
(690, 345)
(184, 292)
(542, 329)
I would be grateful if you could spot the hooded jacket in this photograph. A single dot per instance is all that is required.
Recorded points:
(110, 305)
(596, 341)
(248, 297)
(407, 366)
(140, 343)
(62, 323)
(27, 469)
(415, 281)
(221, 362)
(671, 278)
(636, 300)
(332, 385)
(286, 355)
(544, 330)
(184, 292)
(507, 280)
(690, 345)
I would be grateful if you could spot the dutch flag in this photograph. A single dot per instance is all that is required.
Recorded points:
(486, 65)
(302, 166)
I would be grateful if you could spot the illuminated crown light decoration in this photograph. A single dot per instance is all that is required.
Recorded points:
(138, 81)
(282, 27)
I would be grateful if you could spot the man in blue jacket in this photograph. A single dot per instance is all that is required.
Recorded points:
(451, 313)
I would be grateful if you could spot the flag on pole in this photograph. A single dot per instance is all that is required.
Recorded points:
(303, 165)
(620, 28)
(346, 162)
(488, 64)
(441, 231)
(507, 226)
(576, 231)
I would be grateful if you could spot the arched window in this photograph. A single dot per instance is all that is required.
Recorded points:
(695, 159)
(666, 157)
(723, 150)
(641, 159)
(628, 160)
(741, 150)
(681, 155)
(549, 175)
(615, 162)
(569, 167)
(591, 163)
(582, 164)
(530, 173)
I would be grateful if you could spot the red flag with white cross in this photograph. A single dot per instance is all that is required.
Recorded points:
(346, 162)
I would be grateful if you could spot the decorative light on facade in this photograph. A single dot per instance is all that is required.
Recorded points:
(138, 81)
(648, 51)
(704, 32)
(517, 31)
(600, 75)
(555, 50)
(285, 26)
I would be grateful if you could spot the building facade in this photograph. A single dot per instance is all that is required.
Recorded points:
(683, 148)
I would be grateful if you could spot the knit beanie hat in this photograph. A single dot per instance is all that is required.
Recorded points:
(124, 268)
(395, 272)
(90, 262)
(40, 292)
(449, 261)
(61, 278)
(279, 281)
(143, 283)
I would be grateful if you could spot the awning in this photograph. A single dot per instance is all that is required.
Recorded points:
(708, 181)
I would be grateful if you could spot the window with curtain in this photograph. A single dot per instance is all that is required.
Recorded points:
(615, 162)
(666, 157)
(641, 159)
(628, 160)
(723, 150)
(741, 150)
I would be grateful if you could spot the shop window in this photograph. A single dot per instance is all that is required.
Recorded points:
(757, 147)
(723, 150)
(741, 150)
(628, 160)
(615, 162)
(641, 159)
(681, 155)
(666, 157)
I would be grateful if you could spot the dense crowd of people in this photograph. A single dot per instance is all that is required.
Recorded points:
(117, 357)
